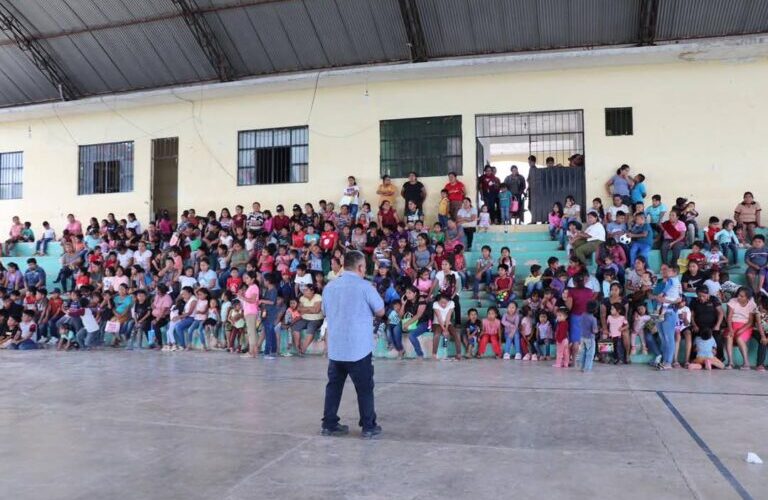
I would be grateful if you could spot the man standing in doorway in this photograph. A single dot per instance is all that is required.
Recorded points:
(350, 303)
(489, 187)
(516, 186)
(531, 174)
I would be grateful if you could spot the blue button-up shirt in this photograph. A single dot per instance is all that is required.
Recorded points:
(349, 304)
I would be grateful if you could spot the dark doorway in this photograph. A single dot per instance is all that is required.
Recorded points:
(165, 176)
(508, 139)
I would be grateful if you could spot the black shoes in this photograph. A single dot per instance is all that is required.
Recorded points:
(340, 430)
(372, 433)
(343, 430)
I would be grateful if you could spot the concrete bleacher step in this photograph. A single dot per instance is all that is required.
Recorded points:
(28, 249)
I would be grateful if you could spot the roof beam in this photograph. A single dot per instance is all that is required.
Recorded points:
(206, 39)
(16, 31)
(414, 30)
(649, 17)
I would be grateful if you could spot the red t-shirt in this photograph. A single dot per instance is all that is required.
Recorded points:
(328, 240)
(503, 283)
(455, 191)
(297, 239)
(280, 222)
(711, 232)
(697, 257)
(233, 284)
(561, 332)
(238, 220)
(267, 264)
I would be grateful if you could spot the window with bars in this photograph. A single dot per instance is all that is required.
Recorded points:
(11, 171)
(618, 121)
(273, 156)
(430, 147)
(106, 168)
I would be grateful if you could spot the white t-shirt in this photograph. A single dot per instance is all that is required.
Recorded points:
(713, 286)
(189, 281)
(467, 213)
(303, 281)
(596, 232)
(613, 210)
(135, 225)
(124, 258)
(441, 313)
(142, 258)
(440, 277)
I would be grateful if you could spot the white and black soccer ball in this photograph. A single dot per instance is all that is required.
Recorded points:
(624, 239)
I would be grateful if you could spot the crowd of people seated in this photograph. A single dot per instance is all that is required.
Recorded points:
(242, 281)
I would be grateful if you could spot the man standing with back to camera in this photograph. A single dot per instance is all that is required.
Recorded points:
(350, 303)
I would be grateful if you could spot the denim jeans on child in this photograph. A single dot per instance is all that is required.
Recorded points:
(413, 336)
(179, 333)
(486, 277)
(586, 355)
(637, 248)
(395, 336)
(270, 342)
(42, 245)
(731, 252)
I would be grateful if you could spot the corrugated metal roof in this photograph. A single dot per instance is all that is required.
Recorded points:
(118, 45)
(20, 81)
(703, 18)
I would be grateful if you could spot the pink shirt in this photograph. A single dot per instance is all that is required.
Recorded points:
(741, 314)
(251, 308)
(491, 327)
(615, 324)
(16, 230)
(75, 227)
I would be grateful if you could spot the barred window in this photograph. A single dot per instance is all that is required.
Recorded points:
(618, 121)
(273, 156)
(11, 171)
(106, 168)
(429, 146)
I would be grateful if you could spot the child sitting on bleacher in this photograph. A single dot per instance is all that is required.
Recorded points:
(472, 330)
(533, 281)
(705, 347)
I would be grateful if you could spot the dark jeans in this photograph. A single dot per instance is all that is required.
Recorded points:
(761, 352)
(491, 199)
(270, 339)
(361, 373)
(667, 248)
(469, 232)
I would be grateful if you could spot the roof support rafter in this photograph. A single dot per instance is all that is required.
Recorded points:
(12, 26)
(649, 17)
(206, 39)
(414, 30)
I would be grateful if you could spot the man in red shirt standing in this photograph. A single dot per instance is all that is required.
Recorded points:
(456, 193)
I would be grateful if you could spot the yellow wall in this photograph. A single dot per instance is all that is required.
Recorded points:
(700, 132)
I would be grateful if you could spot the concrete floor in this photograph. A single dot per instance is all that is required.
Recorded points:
(144, 425)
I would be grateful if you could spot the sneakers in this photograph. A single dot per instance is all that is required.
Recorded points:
(506, 355)
(371, 433)
(518, 356)
(527, 357)
(340, 430)
(269, 356)
(286, 354)
(534, 358)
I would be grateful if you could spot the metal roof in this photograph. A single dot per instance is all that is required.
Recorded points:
(108, 46)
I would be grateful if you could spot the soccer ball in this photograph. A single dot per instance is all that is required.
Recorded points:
(624, 239)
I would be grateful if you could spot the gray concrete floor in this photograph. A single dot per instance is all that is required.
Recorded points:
(145, 425)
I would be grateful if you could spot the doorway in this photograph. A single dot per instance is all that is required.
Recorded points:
(165, 176)
(508, 139)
